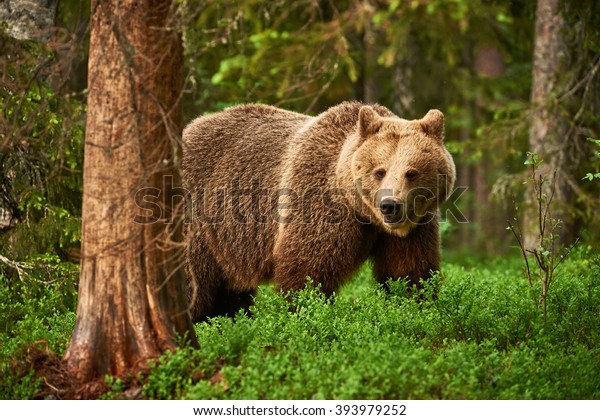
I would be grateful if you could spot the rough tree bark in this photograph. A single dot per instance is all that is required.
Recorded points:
(548, 135)
(132, 299)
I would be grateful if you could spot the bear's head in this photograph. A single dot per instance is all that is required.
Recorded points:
(401, 168)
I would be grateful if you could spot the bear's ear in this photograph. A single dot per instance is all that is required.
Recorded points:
(433, 124)
(368, 122)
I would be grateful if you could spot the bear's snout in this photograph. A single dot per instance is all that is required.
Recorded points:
(393, 210)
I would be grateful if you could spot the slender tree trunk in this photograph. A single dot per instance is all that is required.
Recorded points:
(370, 67)
(489, 217)
(548, 135)
(403, 96)
(132, 299)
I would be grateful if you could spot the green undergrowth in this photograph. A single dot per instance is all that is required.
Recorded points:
(37, 310)
(481, 338)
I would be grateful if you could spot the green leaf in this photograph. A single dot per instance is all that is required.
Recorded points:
(216, 78)
(502, 18)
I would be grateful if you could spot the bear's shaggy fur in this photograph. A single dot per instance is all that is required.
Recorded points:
(280, 195)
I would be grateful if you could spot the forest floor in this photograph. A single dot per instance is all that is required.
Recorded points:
(476, 333)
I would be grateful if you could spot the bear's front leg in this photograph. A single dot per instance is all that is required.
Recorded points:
(327, 252)
(414, 256)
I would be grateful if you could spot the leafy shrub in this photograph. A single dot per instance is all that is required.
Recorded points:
(36, 306)
(481, 338)
(41, 154)
(591, 176)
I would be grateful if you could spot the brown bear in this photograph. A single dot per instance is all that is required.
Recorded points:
(280, 195)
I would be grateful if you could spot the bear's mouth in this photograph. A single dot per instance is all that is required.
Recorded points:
(397, 226)
(395, 220)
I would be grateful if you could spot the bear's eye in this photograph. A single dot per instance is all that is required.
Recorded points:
(411, 174)
(379, 174)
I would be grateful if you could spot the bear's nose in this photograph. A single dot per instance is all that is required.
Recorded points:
(390, 206)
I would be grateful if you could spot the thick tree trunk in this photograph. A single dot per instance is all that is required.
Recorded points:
(548, 135)
(132, 299)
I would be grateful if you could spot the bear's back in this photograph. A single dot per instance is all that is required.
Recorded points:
(242, 138)
(232, 165)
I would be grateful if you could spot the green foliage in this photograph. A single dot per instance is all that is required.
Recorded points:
(308, 55)
(117, 387)
(41, 286)
(264, 51)
(41, 155)
(546, 252)
(481, 338)
(17, 387)
(591, 176)
(37, 305)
